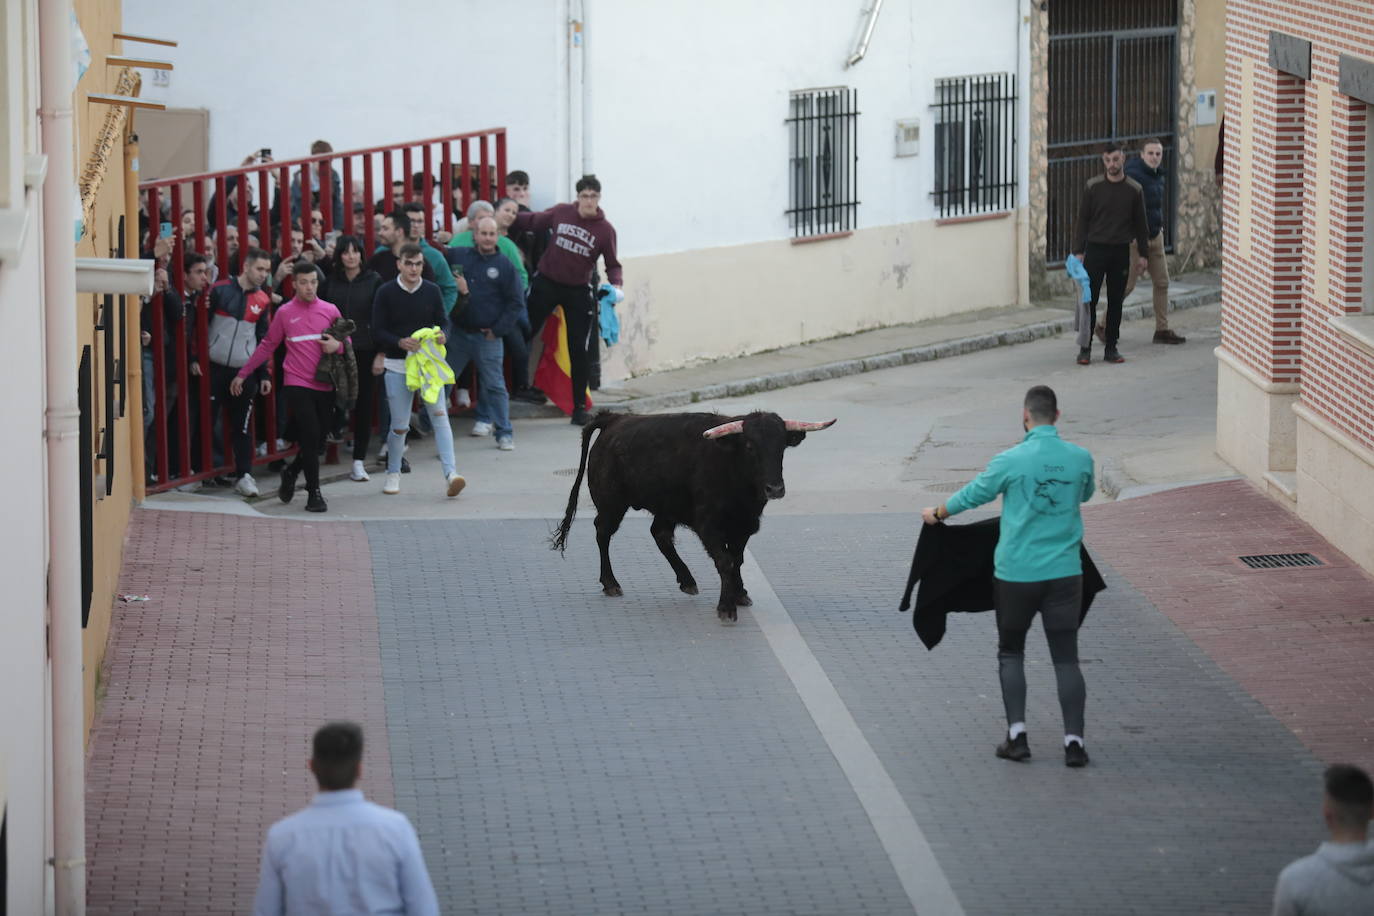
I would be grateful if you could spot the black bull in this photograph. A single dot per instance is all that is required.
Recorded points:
(711, 473)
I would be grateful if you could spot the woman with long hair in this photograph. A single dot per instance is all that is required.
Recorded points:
(351, 287)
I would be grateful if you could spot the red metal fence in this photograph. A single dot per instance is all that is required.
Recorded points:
(259, 202)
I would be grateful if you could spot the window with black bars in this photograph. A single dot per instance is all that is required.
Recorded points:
(975, 144)
(823, 195)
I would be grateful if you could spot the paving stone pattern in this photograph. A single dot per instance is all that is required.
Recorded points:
(1300, 640)
(258, 632)
(1195, 798)
(564, 752)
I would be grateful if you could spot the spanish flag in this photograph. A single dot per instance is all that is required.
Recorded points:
(554, 374)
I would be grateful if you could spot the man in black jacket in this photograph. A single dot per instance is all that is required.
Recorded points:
(1147, 170)
(1111, 216)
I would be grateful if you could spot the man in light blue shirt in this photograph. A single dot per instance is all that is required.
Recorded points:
(343, 855)
(1037, 564)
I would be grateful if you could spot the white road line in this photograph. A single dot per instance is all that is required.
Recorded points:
(916, 866)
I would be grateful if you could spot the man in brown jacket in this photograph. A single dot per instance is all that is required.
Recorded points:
(1111, 216)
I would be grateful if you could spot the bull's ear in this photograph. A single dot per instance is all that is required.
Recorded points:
(795, 437)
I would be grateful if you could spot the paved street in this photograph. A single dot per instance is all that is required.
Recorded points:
(563, 752)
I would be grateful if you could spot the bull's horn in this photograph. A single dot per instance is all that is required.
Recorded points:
(807, 426)
(724, 429)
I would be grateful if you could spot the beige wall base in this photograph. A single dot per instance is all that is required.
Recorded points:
(1256, 428)
(1335, 486)
(710, 303)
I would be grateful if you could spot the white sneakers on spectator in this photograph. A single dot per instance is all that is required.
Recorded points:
(392, 485)
(246, 486)
(456, 482)
(464, 399)
(359, 473)
(480, 428)
(505, 443)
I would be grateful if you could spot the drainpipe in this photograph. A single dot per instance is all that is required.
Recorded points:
(62, 422)
(1021, 294)
(862, 47)
(134, 345)
(576, 102)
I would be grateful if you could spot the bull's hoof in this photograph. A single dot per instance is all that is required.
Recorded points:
(612, 591)
(743, 600)
(728, 615)
(688, 587)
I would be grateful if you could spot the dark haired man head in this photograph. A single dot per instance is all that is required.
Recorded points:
(343, 852)
(518, 188)
(1339, 877)
(1037, 564)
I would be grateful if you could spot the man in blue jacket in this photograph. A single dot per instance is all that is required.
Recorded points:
(490, 297)
(1037, 564)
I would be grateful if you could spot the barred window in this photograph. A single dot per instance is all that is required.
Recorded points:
(975, 144)
(822, 193)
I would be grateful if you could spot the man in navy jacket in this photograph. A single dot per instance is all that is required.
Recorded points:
(490, 297)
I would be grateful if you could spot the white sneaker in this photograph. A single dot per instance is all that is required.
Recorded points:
(392, 485)
(246, 486)
(505, 443)
(464, 399)
(359, 472)
(192, 487)
(480, 429)
(281, 445)
(262, 449)
(456, 482)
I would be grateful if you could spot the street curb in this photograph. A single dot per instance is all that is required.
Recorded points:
(924, 353)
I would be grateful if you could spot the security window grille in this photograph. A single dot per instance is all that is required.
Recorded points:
(823, 192)
(975, 144)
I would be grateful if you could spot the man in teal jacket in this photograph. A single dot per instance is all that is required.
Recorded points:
(1042, 481)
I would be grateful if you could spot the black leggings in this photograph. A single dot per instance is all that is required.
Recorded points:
(311, 413)
(362, 411)
(545, 296)
(1112, 263)
(1059, 602)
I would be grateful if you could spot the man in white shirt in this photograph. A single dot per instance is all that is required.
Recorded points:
(343, 854)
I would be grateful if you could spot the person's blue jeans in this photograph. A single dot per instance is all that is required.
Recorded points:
(399, 397)
(489, 357)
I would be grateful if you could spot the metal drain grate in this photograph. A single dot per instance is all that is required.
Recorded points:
(566, 472)
(1281, 560)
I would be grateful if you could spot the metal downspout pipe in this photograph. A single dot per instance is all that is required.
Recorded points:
(62, 425)
(862, 47)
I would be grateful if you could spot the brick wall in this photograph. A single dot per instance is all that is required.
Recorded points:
(1293, 231)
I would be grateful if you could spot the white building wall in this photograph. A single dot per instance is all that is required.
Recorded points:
(24, 737)
(695, 154)
(684, 124)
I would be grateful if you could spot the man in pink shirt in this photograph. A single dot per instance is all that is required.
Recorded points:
(301, 324)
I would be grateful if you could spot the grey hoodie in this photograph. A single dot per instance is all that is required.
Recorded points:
(1336, 880)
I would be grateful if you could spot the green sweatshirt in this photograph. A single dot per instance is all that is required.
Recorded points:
(443, 274)
(1042, 481)
(504, 245)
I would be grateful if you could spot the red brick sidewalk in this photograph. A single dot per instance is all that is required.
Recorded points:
(1301, 640)
(202, 737)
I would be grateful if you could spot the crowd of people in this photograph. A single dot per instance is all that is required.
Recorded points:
(436, 303)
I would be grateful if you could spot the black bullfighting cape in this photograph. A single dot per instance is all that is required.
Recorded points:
(953, 564)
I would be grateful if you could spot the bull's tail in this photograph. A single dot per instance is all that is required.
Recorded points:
(559, 539)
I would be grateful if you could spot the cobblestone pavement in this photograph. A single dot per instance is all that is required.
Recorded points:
(562, 752)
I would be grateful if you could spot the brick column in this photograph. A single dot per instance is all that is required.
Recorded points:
(1263, 244)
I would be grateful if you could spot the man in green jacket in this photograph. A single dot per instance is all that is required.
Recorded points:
(1037, 563)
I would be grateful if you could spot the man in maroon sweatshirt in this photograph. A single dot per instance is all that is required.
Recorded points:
(580, 234)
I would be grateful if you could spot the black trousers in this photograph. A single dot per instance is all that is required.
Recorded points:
(1059, 603)
(240, 414)
(1111, 263)
(578, 308)
(368, 385)
(311, 412)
